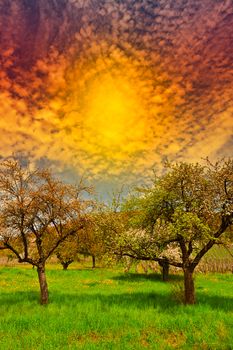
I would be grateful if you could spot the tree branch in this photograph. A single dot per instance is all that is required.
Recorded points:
(62, 239)
(224, 225)
(146, 258)
(21, 260)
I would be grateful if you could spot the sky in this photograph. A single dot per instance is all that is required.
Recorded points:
(107, 90)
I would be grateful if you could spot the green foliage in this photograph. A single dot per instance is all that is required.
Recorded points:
(189, 226)
(176, 221)
(189, 207)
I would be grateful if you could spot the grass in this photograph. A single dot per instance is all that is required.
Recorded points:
(107, 309)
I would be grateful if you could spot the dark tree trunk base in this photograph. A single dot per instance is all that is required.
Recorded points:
(189, 288)
(44, 293)
(165, 270)
(93, 261)
(66, 264)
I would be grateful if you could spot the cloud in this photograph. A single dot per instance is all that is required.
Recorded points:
(112, 88)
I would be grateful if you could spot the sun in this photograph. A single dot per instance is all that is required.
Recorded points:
(113, 110)
(106, 119)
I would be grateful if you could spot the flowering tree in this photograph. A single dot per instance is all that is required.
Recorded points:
(37, 214)
(180, 218)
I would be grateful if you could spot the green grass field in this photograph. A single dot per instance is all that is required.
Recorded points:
(107, 309)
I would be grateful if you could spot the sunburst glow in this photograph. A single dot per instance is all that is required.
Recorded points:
(113, 110)
(112, 88)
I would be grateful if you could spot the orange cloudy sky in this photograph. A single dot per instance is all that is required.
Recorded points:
(108, 89)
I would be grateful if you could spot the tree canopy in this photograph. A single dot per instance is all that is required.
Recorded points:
(38, 213)
(180, 217)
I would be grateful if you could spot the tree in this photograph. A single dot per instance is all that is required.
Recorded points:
(91, 241)
(121, 223)
(67, 251)
(111, 226)
(37, 214)
(180, 218)
(88, 241)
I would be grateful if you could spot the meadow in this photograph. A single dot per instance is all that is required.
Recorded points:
(109, 309)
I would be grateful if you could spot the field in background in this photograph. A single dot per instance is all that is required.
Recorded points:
(219, 259)
(107, 309)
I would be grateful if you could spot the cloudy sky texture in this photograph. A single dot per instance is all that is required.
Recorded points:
(109, 89)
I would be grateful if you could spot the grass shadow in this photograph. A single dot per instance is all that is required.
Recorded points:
(139, 300)
(19, 297)
(224, 303)
(124, 300)
(137, 277)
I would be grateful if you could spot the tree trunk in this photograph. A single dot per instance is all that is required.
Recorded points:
(165, 270)
(93, 261)
(189, 289)
(65, 265)
(44, 293)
